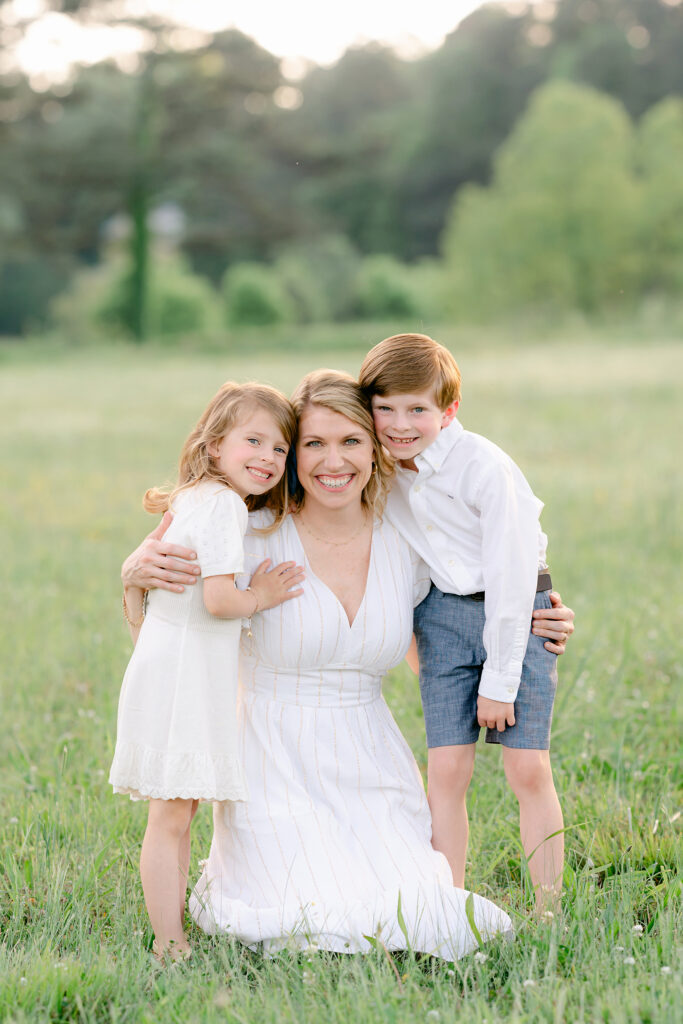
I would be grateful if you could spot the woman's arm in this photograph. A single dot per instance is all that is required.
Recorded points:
(556, 623)
(156, 563)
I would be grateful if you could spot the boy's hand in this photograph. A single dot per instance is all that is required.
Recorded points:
(494, 714)
(275, 587)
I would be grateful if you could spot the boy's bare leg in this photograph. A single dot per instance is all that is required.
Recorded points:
(167, 823)
(531, 779)
(449, 772)
(184, 861)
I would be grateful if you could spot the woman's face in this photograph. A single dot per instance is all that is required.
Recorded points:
(333, 456)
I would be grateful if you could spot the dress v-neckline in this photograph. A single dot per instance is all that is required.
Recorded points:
(350, 623)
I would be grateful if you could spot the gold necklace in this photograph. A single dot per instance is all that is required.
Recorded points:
(334, 543)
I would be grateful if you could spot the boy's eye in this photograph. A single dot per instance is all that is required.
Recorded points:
(382, 408)
(418, 408)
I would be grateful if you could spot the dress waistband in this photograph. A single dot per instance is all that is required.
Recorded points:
(332, 688)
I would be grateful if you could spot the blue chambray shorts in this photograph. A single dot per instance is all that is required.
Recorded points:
(449, 633)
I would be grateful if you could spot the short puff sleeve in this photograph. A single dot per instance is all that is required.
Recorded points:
(216, 529)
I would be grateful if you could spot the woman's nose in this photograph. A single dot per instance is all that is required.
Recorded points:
(335, 459)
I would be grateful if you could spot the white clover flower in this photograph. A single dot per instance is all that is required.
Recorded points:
(637, 929)
(307, 978)
(666, 970)
(529, 983)
(451, 974)
(548, 915)
(14, 821)
(433, 1015)
(618, 949)
(480, 958)
(22, 981)
(630, 960)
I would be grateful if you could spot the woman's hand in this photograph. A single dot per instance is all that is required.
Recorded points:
(557, 623)
(158, 564)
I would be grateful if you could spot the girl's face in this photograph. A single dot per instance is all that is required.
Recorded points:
(333, 457)
(252, 455)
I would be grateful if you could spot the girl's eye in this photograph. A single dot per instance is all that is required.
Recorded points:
(281, 451)
(253, 440)
(383, 408)
(418, 408)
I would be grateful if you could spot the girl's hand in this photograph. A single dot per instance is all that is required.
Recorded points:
(274, 587)
(557, 623)
(158, 564)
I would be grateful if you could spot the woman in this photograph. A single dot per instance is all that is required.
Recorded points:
(333, 845)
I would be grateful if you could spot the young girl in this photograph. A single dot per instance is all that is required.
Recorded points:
(176, 741)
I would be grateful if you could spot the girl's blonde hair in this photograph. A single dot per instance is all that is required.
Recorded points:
(339, 392)
(232, 403)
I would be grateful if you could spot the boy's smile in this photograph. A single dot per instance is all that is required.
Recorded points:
(407, 424)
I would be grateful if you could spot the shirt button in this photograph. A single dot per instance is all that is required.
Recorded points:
(418, 489)
(429, 526)
(451, 562)
(511, 689)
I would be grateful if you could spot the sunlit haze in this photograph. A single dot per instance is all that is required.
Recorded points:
(301, 30)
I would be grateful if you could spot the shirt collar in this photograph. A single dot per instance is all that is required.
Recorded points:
(435, 454)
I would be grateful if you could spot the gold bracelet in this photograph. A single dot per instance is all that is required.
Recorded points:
(127, 617)
(249, 632)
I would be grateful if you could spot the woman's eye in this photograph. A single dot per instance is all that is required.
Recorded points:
(352, 440)
(312, 444)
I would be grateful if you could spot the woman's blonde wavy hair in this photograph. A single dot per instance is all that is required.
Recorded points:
(339, 392)
(232, 403)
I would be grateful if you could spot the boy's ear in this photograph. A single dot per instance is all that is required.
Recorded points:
(448, 414)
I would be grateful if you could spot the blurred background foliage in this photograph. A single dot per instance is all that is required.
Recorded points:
(532, 161)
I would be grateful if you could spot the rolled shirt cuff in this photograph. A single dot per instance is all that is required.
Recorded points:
(502, 686)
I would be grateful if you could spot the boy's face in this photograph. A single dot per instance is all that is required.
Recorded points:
(407, 424)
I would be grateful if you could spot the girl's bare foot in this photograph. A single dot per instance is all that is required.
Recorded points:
(174, 952)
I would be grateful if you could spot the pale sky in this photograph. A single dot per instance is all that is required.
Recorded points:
(311, 29)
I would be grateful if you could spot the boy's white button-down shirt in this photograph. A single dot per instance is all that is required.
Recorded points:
(471, 515)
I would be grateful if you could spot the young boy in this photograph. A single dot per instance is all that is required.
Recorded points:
(465, 507)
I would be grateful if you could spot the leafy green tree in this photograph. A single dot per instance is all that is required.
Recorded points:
(254, 295)
(660, 158)
(558, 225)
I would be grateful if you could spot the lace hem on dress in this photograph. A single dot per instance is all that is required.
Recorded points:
(146, 774)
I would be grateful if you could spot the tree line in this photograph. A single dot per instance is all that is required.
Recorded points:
(376, 183)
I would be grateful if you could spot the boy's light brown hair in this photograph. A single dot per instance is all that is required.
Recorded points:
(406, 363)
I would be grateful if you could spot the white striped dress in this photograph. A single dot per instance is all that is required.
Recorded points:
(337, 823)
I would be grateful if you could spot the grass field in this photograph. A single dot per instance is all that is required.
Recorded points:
(595, 423)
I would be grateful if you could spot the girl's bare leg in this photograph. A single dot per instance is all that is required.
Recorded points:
(449, 771)
(167, 823)
(184, 862)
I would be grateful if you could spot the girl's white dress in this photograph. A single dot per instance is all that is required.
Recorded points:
(333, 845)
(177, 728)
